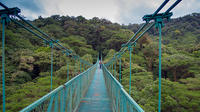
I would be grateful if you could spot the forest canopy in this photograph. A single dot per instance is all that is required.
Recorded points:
(28, 60)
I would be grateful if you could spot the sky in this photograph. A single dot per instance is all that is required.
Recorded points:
(120, 11)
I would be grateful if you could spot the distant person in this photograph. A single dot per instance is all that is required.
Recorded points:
(100, 64)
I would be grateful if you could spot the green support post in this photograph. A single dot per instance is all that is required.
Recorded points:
(158, 18)
(159, 25)
(130, 51)
(83, 67)
(51, 45)
(4, 19)
(115, 69)
(160, 51)
(120, 80)
(75, 67)
(80, 67)
(67, 71)
(112, 67)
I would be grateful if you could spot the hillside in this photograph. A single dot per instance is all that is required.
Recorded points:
(180, 66)
(182, 33)
(28, 60)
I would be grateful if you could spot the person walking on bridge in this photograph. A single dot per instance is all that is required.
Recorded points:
(100, 64)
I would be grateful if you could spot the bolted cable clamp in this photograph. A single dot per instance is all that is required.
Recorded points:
(5, 17)
(130, 48)
(158, 22)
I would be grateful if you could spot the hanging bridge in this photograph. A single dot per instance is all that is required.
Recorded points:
(95, 89)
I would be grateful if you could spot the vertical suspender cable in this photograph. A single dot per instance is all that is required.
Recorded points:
(83, 66)
(51, 45)
(3, 64)
(67, 71)
(160, 51)
(120, 69)
(75, 67)
(80, 67)
(130, 50)
(112, 68)
(115, 69)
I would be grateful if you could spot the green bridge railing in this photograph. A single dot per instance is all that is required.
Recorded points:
(65, 98)
(121, 100)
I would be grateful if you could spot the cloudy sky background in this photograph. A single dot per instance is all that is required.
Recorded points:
(120, 11)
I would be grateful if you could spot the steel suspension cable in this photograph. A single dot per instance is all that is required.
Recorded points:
(51, 45)
(130, 51)
(160, 69)
(3, 63)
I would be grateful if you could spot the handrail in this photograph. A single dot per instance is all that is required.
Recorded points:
(121, 100)
(67, 96)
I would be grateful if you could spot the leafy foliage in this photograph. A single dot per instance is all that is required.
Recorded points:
(28, 60)
(180, 67)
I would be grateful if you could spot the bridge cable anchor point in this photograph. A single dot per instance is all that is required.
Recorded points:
(130, 48)
(159, 21)
(6, 18)
(135, 44)
(51, 42)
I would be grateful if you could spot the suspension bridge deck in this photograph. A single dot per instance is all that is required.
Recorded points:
(96, 98)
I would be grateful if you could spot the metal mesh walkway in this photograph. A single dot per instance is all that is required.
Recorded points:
(96, 98)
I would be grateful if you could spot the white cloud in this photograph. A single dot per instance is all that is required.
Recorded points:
(87, 8)
(121, 11)
(132, 11)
